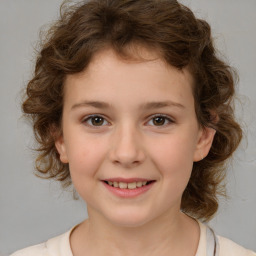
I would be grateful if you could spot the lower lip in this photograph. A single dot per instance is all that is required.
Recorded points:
(128, 193)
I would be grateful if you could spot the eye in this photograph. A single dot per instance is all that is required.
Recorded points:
(95, 120)
(160, 120)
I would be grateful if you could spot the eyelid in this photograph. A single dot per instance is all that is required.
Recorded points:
(86, 118)
(167, 117)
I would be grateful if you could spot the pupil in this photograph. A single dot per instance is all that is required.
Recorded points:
(159, 120)
(97, 121)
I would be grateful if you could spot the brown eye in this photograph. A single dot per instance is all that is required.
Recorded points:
(160, 120)
(95, 121)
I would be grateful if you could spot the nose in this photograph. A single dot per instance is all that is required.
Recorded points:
(127, 147)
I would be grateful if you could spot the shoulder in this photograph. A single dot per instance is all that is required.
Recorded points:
(57, 246)
(228, 247)
(36, 250)
(225, 247)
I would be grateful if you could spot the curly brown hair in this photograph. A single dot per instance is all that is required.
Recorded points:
(180, 39)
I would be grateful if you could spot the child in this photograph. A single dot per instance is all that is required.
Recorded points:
(130, 102)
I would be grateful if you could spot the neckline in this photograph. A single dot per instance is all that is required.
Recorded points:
(62, 245)
(201, 248)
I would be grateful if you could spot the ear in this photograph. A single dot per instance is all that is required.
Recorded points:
(61, 148)
(204, 143)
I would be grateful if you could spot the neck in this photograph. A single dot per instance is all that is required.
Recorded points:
(161, 236)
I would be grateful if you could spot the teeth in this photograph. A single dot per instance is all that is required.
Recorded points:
(124, 185)
(132, 185)
(139, 184)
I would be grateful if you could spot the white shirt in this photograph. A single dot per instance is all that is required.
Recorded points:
(60, 246)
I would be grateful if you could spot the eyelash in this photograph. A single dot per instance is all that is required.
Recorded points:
(170, 121)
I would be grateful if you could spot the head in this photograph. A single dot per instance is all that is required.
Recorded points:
(126, 28)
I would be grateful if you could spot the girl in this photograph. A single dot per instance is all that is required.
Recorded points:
(131, 104)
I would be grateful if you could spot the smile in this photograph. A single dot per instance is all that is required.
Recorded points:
(130, 185)
(128, 189)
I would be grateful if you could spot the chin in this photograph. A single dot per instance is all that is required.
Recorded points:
(129, 218)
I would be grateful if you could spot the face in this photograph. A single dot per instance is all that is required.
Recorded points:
(128, 123)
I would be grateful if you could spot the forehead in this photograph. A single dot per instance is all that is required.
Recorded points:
(147, 76)
(132, 54)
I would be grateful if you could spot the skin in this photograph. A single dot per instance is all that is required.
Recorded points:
(130, 143)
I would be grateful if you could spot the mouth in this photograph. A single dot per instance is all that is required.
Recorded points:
(128, 188)
(128, 185)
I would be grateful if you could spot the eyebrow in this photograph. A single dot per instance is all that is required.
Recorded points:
(144, 106)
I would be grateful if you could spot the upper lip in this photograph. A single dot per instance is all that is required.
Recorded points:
(126, 180)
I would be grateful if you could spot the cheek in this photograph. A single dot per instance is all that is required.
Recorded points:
(173, 157)
(85, 157)
(85, 161)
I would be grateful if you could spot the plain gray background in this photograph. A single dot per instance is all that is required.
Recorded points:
(33, 210)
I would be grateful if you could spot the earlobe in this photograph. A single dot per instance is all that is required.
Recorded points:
(204, 143)
(61, 148)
